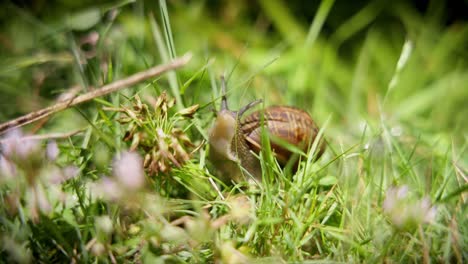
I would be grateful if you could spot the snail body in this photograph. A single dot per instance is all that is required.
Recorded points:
(234, 139)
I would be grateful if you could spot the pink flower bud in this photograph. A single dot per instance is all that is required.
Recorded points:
(128, 170)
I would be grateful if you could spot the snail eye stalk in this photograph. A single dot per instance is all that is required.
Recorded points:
(248, 106)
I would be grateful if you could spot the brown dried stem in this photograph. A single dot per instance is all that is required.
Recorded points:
(104, 90)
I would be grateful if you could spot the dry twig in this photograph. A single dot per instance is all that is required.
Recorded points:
(104, 90)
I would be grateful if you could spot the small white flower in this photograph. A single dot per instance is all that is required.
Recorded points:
(393, 197)
(59, 176)
(14, 146)
(42, 201)
(107, 188)
(402, 192)
(98, 249)
(54, 176)
(38, 202)
(128, 169)
(7, 169)
(430, 215)
(426, 212)
(10, 142)
(52, 150)
(404, 211)
(26, 148)
(425, 204)
(70, 172)
(104, 224)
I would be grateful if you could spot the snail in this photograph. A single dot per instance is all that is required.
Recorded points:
(235, 140)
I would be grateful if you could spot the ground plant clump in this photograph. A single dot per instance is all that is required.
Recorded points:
(106, 112)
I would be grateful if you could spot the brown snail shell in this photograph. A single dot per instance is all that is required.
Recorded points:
(292, 125)
(234, 139)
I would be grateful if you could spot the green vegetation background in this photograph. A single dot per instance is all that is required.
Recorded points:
(387, 82)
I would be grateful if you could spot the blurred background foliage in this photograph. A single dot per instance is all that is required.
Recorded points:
(390, 76)
(344, 69)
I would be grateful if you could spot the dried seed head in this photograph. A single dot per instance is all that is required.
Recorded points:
(166, 146)
(189, 111)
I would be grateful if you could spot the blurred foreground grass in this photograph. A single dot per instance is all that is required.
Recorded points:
(387, 83)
